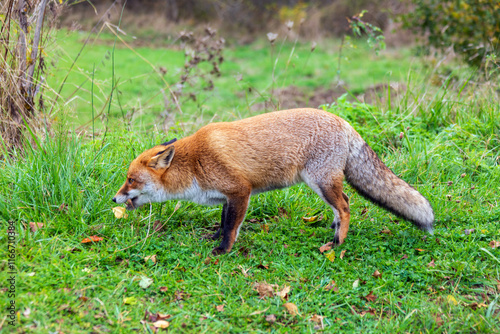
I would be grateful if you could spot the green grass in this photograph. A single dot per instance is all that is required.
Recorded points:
(139, 86)
(449, 152)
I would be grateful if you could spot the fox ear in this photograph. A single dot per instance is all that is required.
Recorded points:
(163, 159)
(169, 142)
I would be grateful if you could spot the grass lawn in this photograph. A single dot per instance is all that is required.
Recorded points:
(246, 77)
(155, 265)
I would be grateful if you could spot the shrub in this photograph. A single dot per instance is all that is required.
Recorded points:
(470, 27)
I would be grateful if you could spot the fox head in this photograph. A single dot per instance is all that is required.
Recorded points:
(144, 177)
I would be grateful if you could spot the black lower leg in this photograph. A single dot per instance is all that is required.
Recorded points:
(222, 221)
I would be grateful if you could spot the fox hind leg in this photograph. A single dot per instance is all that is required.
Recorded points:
(332, 194)
(339, 202)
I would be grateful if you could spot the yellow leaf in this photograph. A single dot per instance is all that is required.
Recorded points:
(451, 300)
(119, 212)
(330, 255)
(291, 308)
(130, 300)
(310, 219)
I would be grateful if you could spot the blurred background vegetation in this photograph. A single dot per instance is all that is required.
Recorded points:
(43, 72)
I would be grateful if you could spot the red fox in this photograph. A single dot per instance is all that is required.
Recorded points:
(226, 163)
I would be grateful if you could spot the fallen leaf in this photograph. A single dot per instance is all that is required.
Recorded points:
(326, 247)
(283, 213)
(386, 231)
(161, 324)
(291, 308)
(264, 289)
(331, 286)
(369, 311)
(30, 274)
(155, 317)
(431, 264)
(271, 318)
(27, 312)
(476, 305)
(264, 227)
(355, 284)
(150, 257)
(439, 320)
(342, 254)
(83, 299)
(145, 282)
(181, 295)
(130, 300)
(404, 257)
(259, 312)
(494, 244)
(93, 238)
(451, 300)
(310, 219)
(119, 212)
(157, 226)
(317, 319)
(243, 270)
(420, 250)
(163, 289)
(35, 226)
(220, 308)
(371, 297)
(283, 293)
(377, 274)
(207, 260)
(330, 255)
(262, 266)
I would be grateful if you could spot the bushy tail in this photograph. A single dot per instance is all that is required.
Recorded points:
(375, 181)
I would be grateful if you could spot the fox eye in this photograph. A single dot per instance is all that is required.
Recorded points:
(130, 180)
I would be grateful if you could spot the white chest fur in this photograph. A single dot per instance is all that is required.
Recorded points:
(197, 195)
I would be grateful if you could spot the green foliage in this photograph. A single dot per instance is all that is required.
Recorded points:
(375, 40)
(471, 27)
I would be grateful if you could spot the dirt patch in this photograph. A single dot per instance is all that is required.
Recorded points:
(299, 97)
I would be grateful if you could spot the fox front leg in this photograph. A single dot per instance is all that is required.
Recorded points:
(235, 214)
(216, 235)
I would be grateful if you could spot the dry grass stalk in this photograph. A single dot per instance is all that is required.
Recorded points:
(21, 67)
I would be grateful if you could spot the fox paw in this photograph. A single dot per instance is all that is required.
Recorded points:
(218, 251)
(337, 241)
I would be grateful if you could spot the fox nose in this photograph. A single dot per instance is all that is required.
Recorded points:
(114, 199)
